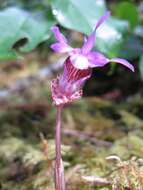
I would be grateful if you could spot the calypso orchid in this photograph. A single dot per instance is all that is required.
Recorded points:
(68, 86)
(78, 66)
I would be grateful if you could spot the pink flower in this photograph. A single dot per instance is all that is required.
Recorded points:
(78, 66)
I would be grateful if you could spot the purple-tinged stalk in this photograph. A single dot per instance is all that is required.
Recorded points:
(67, 87)
(59, 169)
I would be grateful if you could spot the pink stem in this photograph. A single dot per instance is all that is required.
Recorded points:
(59, 169)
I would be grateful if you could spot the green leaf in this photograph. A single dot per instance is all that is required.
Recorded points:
(17, 24)
(133, 48)
(141, 67)
(83, 15)
(139, 31)
(127, 11)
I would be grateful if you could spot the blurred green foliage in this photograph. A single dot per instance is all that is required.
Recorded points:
(141, 66)
(70, 14)
(127, 11)
(20, 25)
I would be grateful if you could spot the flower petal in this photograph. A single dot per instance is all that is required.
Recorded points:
(68, 86)
(72, 73)
(123, 62)
(72, 78)
(88, 45)
(80, 83)
(97, 59)
(60, 98)
(58, 35)
(61, 47)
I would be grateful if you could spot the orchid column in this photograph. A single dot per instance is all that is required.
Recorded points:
(67, 87)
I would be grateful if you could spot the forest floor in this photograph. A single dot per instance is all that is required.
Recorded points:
(102, 140)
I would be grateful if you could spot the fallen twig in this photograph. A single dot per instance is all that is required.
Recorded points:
(96, 180)
(89, 137)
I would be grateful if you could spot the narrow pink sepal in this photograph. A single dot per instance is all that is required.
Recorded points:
(88, 45)
(102, 19)
(97, 59)
(58, 35)
(60, 47)
(123, 62)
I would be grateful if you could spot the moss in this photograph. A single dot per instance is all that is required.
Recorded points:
(23, 164)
